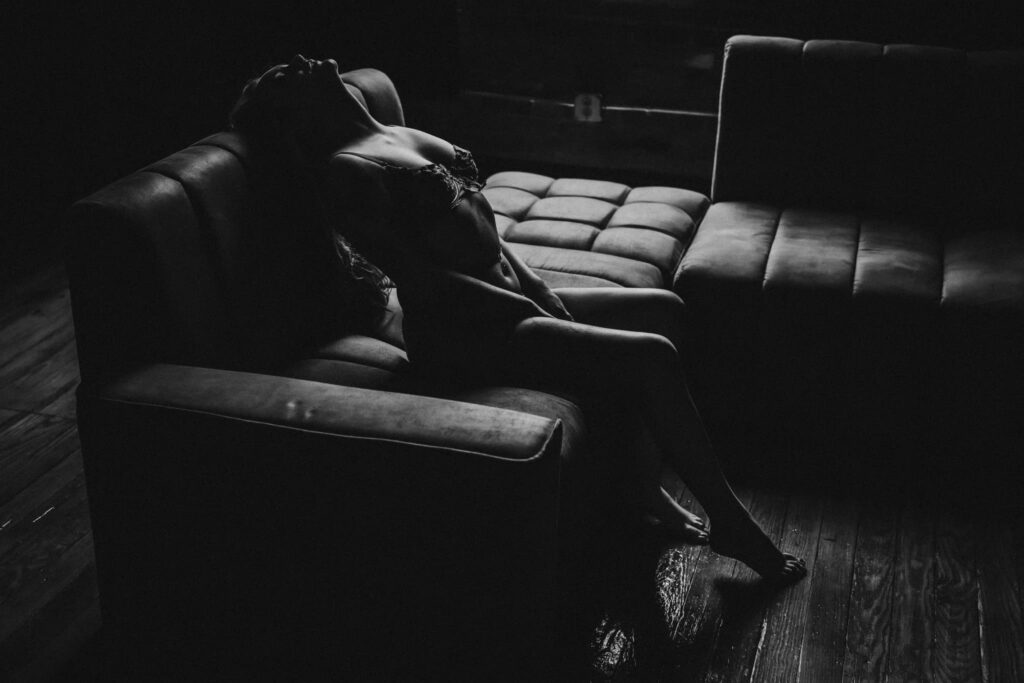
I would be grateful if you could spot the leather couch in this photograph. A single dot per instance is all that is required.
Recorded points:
(269, 484)
(860, 272)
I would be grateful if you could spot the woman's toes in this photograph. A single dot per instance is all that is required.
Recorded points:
(793, 569)
(683, 531)
(668, 506)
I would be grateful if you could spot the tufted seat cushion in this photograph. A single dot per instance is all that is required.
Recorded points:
(579, 232)
(751, 252)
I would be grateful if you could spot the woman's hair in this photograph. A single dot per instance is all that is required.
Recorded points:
(260, 117)
(258, 114)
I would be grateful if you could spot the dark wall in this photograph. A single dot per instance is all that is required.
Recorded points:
(667, 53)
(93, 91)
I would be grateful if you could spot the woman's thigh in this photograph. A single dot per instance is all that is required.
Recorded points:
(656, 311)
(576, 355)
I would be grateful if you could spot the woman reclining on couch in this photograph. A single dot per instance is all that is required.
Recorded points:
(410, 203)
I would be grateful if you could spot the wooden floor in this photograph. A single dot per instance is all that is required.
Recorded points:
(903, 585)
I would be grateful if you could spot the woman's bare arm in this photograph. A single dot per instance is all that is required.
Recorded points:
(533, 286)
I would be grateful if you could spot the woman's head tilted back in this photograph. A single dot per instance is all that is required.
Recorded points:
(303, 112)
(302, 106)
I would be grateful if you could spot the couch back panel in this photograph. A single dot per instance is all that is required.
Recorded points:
(211, 256)
(997, 114)
(859, 126)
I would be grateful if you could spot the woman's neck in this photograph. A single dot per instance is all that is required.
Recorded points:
(342, 131)
(354, 123)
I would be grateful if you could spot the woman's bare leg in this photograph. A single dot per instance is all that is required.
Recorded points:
(656, 311)
(647, 366)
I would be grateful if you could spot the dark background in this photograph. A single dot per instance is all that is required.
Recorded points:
(92, 91)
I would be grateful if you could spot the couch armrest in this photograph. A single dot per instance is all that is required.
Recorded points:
(418, 422)
(296, 514)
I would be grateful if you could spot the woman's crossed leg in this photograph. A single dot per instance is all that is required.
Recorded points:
(621, 342)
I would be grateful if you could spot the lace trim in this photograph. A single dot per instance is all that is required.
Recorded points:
(436, 186)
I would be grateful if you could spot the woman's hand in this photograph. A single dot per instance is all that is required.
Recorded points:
(534, 288)
(549, 301)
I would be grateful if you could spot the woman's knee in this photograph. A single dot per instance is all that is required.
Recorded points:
(664, 313)
(648, 357)
(658, 350)
(667, 302)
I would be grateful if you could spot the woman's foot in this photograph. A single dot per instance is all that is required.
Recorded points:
(744, 540)
(666, 515)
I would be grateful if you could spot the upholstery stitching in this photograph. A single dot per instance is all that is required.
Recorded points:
(341, 435)
(643, 257)
(610, 283)
(658, 230)
(206, 238)
(595, 253)
(856, 254)
(206, 232)
(943, 244)
(366, 363)
(771, 248)
(715, 180)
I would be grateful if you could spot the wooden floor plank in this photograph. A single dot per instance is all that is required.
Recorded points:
(7, 418)
(30, 446)
(786, 628)
(748, 603)
(38, 357)
(19, 299)
(42, 379)
(829, 599)
(39, 320)
(871, 593)
(725, 604)
(631, 641)
(676, 570)
(56, 634)
(33, 574)
(62, 486)
(643, 594)
(911, 640)
(1015, 529)
(1002, 628)
(695, 626)
(957, 653)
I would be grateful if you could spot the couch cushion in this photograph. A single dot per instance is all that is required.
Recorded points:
(355, 360)
(985, 272)
(579, 232)
(762, 251)
(349, 374)
(358, 348)
(750, 251)
(795, 307)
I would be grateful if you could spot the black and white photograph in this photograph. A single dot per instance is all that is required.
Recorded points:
(597, 341)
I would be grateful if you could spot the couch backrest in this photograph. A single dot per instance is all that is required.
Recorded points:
(208, 257)
(908, 129)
